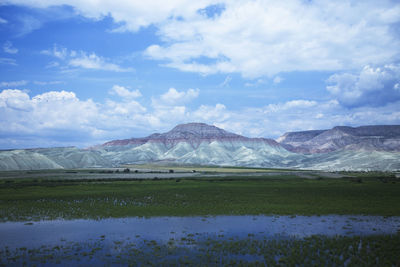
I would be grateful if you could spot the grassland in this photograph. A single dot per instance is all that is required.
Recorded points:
(285, 194)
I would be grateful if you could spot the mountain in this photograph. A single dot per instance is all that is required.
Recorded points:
(193, 133)
(25, 160)
(367, 138)
(51, 158)
(197, 143)
(340, 148)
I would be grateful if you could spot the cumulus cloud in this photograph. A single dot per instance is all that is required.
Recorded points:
(215, 114)
(370, 87)
(174, 97)
(56, 116)
(125, 108)
(124, 92)
(81, 59)
(13, 83)
(128, 106)
(8, 48)
(61, 118)
(15, 100)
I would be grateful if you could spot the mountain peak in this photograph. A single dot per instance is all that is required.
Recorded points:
(190, 125)
(198, 130)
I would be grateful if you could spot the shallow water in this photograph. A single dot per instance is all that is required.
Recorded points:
(205, 241)
(23, 234)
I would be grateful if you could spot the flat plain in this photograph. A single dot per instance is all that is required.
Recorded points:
(72, 194)
(46, 197)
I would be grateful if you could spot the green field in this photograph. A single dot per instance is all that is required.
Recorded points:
(36, 199)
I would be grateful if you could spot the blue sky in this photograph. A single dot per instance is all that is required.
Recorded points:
(84, 72)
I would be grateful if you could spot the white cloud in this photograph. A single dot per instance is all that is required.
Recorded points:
(63, 119)
(50, 114)
(3, 21)
(28, 25)
(47, 83)
(13, 83)
(255, 38)
(15, 100)
(277, 79)
(52, 64)
(56, 51)
(215, 114)
(125, 108)
(258, 38)
(255, 84)
(82, 60)
(93, 61)
(8, 48)
(226, 82)
(371, 86)
(124, 92)
(129, 15)
(173, 97)
(293, 104)
(8, 61)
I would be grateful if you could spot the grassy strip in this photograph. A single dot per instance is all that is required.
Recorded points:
(48, 199)
(203, 168)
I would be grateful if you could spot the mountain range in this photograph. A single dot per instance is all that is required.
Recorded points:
(340, 148)
(372, 138)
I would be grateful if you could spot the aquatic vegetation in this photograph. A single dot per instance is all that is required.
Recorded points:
(377, 250)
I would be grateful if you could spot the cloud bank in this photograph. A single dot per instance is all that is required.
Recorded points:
(61, 118)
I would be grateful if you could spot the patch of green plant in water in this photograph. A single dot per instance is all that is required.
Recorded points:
(376, 250)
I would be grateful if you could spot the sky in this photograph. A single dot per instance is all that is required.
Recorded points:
(82, 72)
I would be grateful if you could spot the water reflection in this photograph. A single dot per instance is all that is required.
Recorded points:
(162, 229)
